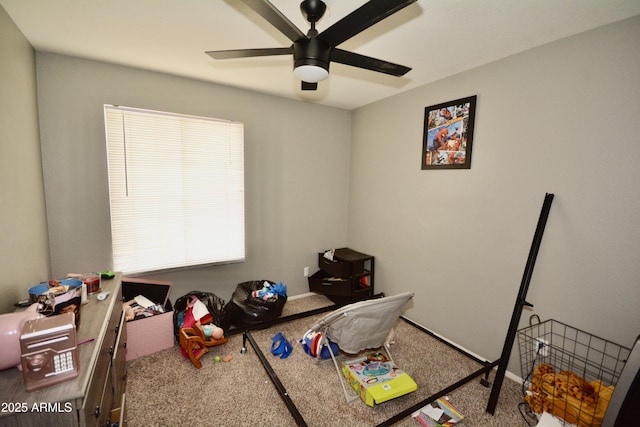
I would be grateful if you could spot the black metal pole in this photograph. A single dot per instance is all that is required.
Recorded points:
(276, 382)
(400, 415)
(520, 303)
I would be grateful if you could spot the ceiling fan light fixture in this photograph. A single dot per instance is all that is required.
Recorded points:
(311, 60)
(310, 73)
(314, 51)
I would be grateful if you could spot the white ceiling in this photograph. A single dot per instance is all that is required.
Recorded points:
(437, 38)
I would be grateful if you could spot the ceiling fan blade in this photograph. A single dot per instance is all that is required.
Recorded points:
(366, 62)
(248, 53)
(362, 18)
(308, 86)
(275, 18)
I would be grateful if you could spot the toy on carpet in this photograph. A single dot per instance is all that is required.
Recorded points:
(197, 332)
(280, 346)
(313, 345)
(198, 316)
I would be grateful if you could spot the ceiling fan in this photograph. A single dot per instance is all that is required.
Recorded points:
(313, 52)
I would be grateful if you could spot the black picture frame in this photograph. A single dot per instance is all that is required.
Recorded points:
(448, 134)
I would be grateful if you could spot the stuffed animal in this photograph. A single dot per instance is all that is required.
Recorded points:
(128, 310)
(568, 396)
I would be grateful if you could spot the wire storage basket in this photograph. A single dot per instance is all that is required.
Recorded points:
(568, 373)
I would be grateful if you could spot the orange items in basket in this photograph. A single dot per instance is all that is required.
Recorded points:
(568, 396)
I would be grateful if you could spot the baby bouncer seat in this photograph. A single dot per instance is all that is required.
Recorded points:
(359, 326)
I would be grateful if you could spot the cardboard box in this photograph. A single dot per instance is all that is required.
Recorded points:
(151, 334)
(376, 381)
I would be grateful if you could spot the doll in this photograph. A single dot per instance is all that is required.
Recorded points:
(212, 331)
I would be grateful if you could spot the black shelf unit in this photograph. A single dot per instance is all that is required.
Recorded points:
(349, 277)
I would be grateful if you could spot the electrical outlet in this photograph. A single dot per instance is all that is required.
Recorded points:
(543, 347)
(306, 272)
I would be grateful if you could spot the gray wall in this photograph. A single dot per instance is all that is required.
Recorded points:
(561, 118)
(296, 163)
(24, 254)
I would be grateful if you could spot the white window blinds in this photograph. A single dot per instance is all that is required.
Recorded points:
(176, 186)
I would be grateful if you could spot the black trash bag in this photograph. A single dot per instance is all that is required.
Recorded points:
(215, 305)
(246, 310)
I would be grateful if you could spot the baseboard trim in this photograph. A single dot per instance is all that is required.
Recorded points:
(507, 374)
(306, 294)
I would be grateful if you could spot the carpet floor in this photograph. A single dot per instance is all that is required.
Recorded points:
(165, 389)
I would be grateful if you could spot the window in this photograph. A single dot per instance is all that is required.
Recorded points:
(176, 187)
